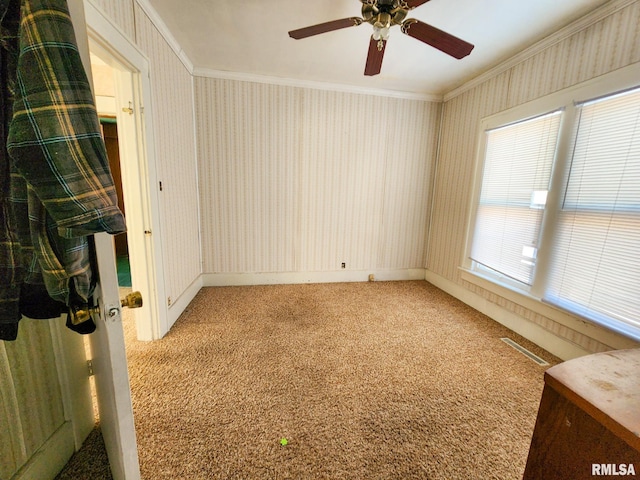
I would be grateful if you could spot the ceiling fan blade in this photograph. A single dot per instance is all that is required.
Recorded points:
(375, 56)
(325, 27)
(411, 4)
(437, 38)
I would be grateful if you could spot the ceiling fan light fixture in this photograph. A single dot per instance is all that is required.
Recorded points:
(382, 26)
(381, 33)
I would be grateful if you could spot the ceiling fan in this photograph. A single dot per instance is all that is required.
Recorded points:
(383, 14)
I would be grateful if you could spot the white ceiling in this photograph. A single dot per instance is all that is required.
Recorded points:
(250, 37)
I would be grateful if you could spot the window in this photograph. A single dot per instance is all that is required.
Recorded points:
(558, 213)
(595, 269)
(517, 171)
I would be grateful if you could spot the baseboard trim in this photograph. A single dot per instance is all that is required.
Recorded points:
(51, 458)
(555, 345)
(180, 304)
(279, 278)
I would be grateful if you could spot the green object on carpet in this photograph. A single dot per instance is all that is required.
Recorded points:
(124, 271)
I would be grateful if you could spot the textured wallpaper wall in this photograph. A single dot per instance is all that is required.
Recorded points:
(121, 13)
(597, 48)
(295, 179)
(174, 137)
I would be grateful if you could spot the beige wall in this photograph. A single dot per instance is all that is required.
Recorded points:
(595, 49)
(301, 180)
(174, 135)
(121, 13)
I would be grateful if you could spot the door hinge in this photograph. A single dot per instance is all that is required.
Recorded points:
(128, 109)
(90, 367)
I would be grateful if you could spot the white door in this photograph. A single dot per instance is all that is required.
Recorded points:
(110, 369)
(107, 343)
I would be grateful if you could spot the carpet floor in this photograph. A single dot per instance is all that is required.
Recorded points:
(382, 380)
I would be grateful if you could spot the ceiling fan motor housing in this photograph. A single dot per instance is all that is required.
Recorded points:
(384, 13)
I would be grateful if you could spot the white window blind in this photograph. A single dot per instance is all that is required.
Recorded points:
(517, 171)
(595, 270)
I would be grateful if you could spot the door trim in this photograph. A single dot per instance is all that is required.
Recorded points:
(139, 168)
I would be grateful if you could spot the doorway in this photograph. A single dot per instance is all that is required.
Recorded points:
(118, 95)
(109, 127)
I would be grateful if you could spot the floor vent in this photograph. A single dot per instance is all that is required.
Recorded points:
(524, 351)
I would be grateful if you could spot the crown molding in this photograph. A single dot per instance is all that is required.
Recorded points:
(315, 85)
(166, 33)
(577, 26)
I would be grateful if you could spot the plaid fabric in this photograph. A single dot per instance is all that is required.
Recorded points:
(59, 171)
(11, 272)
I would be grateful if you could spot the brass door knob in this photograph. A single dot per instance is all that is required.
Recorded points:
(81, 313)
(133, 300)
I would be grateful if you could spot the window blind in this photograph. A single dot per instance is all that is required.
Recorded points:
(517, 171)
(595, 270)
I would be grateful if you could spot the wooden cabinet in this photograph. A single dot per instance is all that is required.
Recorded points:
(588, 424)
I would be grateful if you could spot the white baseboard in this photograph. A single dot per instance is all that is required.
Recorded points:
(179, 304)
(51, 458)
(542, 337)
(278, 278)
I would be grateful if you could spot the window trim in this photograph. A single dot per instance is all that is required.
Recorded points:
(531, 297)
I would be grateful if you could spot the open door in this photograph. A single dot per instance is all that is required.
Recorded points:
(119, 97)
(110, 369)
(107, 342)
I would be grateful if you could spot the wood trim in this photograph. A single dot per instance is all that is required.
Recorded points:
(164, 31)
(554, 344)
(51, 458)
(276, 278)
(326, 86)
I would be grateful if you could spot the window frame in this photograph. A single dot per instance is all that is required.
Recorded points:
(531, 296)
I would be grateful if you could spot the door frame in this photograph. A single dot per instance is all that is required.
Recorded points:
(139, 172)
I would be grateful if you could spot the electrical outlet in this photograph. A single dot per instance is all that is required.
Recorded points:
(344, 265)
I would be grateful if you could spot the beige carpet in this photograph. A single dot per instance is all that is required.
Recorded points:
(384, 380)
